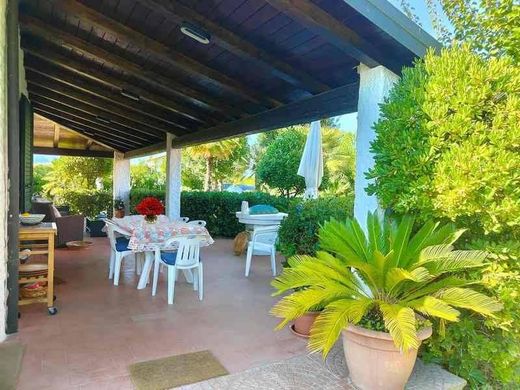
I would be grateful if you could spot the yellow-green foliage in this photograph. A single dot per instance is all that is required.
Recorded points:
(448, 147)
(448, 144)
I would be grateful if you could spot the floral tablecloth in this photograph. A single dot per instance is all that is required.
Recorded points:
(146, 236)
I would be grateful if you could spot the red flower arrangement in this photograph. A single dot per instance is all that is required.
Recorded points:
(150, 207)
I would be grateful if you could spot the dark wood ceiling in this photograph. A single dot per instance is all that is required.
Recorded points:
(123, 71)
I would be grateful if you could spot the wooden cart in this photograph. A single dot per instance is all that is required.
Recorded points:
(40, 240)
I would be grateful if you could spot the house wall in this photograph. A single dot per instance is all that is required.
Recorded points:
(3, 168)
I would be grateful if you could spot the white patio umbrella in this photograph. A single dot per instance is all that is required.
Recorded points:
(311, 164)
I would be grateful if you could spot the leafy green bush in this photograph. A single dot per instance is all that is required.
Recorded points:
(216, 208)
(448, 148)
(299, 231)
(87, 202)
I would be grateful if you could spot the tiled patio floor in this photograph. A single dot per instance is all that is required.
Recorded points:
(101, 329)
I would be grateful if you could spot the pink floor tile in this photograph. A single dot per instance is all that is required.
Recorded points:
(101, 329)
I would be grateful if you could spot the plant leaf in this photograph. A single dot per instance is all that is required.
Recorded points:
(400, 322)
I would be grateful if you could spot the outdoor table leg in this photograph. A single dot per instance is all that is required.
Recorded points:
(145, 273)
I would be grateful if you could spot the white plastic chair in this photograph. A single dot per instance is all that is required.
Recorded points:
(184, 219)
(118, 251)
(198, 222)
(186, 257)
(262, 243)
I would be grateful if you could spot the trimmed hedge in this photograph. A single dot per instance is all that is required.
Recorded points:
(88, 202)
(216, 208)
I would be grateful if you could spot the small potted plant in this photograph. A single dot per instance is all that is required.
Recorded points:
(379, 291)
(150, 207)
(119, 208)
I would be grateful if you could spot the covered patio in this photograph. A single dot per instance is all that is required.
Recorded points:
(135, 77)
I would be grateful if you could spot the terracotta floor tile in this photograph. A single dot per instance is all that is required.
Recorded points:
(100, 329)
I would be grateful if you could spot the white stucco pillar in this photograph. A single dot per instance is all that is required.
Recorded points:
(121, 180)
(173, 179)
(4, 196)
(374, 85)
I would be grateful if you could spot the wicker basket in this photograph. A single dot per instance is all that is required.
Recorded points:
(33, 292)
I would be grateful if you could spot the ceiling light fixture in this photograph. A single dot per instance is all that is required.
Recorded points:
(101, 119)
(130, 95)
(195, 32)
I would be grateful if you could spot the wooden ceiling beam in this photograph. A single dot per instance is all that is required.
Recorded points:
(335, 102)
(115, 144)
(101, 116)
(88, 144)
(55, 109)
(235, 44)
(73, 152)
(51, 34)
(322, 23)
(80, 68)
(166, 53)
(108, 94)
(139, 122)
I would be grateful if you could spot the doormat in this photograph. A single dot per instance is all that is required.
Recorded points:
(175, 371)
(11, 354)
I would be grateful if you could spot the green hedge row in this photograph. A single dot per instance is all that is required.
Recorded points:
(216, 208)
(87, 202)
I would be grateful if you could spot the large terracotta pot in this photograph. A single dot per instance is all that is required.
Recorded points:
(302, 325)
(373, 360)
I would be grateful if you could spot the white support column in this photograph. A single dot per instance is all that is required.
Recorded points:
(374, 85)
(121, 179)
(173, 179)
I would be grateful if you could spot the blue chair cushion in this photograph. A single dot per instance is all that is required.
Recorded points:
(122, 244)
(262, 209)
(169, 257)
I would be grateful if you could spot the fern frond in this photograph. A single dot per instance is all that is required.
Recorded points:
(434, 307)
(456, 261)
(336, 316)
(400, 322)
(398, 275)
(436, 286)
(469, 299)
(435, 252)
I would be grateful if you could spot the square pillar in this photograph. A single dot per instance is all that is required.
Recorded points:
(121, 180)
(374, 86)
(173, 179)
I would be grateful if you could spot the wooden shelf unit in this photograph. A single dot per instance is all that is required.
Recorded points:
(40, 240)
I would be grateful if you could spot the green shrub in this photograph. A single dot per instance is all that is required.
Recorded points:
(88, 202)
(448, 148)
(299, 231)
(216, 208)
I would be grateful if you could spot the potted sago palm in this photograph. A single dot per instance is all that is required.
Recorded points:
(379, 291)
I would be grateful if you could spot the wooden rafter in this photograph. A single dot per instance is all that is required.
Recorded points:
(73, 152)
(66, 113)
(141, 121)
(83, 69)
(54, 35)
(170, 56)
(325, 105)
(89, 144)
(56, 140)
(111, 97)
(237, 45)
(100, 115)
(322, 23)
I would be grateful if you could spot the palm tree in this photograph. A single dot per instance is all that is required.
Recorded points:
(211, 153)
(388, 274)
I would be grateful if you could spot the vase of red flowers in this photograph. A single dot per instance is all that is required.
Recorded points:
(150, 207)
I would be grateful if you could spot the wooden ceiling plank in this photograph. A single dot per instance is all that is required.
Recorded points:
(89, 125)
(51, 34)
(107, 94)
(335, 102)
(82, 69)
(142, 122)
(322, 23)
(172, 57)
(233, 43)
(89, 109)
